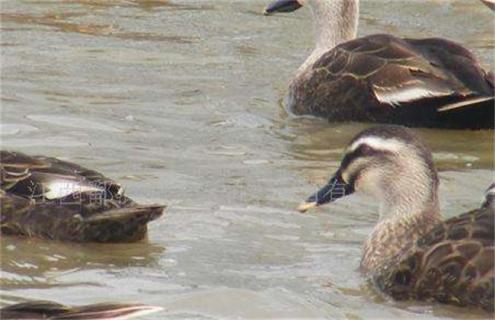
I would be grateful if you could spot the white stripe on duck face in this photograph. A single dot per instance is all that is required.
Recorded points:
(491, 189)
(377, 143)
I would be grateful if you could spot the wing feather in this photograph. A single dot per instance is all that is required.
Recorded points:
(453, 263)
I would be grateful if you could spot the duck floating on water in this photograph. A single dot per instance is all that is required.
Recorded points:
(411, 253)
(52, 199)
(37, 310)
(429, 82)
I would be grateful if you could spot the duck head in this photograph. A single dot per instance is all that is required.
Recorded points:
(388, 163)
(489, 201)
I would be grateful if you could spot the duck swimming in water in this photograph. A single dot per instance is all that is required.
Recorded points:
(37, 310)
(411, 253)
(52, 199)
(381, 78)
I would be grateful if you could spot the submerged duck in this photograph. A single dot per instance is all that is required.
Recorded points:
(411, 253)
(381, 78)
(37, 310)
(53, 199)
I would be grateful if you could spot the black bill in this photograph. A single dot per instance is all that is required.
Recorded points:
(282, 6)
(334, 189)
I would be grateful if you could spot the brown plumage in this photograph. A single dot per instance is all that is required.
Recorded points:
(452, 263)
(37, 310)
(381, 78)
(53, 199)
(411, 253)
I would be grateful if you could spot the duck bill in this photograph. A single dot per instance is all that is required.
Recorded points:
(282, 6)
(335, 188)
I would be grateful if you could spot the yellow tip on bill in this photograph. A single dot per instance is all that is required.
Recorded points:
(305, 206)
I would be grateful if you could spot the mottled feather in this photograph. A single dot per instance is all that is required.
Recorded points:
(37, 310)
(54, 199)
(453, 263)
(392, 80)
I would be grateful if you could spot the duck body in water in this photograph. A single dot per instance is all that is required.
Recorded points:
(52, 199)
(411, 253)
(381, 78)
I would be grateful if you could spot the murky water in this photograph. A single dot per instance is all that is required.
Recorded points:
(178, 100)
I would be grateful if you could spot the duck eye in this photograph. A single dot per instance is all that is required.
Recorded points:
(366, 150)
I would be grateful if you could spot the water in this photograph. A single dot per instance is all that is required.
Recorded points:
(179, 101)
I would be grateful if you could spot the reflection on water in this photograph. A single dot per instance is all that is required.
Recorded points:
(179, 100)
(62, 22)
(35, 258)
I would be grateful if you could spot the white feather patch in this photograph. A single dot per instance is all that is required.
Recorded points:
(62, 188)
(396, 96)
(377, 143)
(490, 190)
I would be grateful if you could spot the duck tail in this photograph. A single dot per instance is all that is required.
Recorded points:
(139, 214)
(470, 102)
(50, 310)
(122, 224)
(470, 113)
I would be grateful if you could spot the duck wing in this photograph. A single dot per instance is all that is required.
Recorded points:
(388, 79)
(48, 179)
(55, 199)
(453, 263)
(35, 310)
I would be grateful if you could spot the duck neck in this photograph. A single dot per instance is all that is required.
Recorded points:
(404, 217)
(417, 201)
(335, 22)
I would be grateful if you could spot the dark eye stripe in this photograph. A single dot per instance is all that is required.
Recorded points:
(362, 151)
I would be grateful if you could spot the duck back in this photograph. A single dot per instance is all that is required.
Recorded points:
(381, 78)
(453, 263)
(58, 200)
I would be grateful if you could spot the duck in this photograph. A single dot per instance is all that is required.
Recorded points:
(48, 310)
(412, 253)
(53, 199)
(489, 3)
(431, 82)
(489, 201)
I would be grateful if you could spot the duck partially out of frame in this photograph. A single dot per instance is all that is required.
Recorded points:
(381, 78)
(411, 253)
(52, 199)
(38, 310)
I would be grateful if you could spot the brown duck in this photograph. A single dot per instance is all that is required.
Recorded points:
(37, 310)
(53, 199)
(381, 78)
(411, 253)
